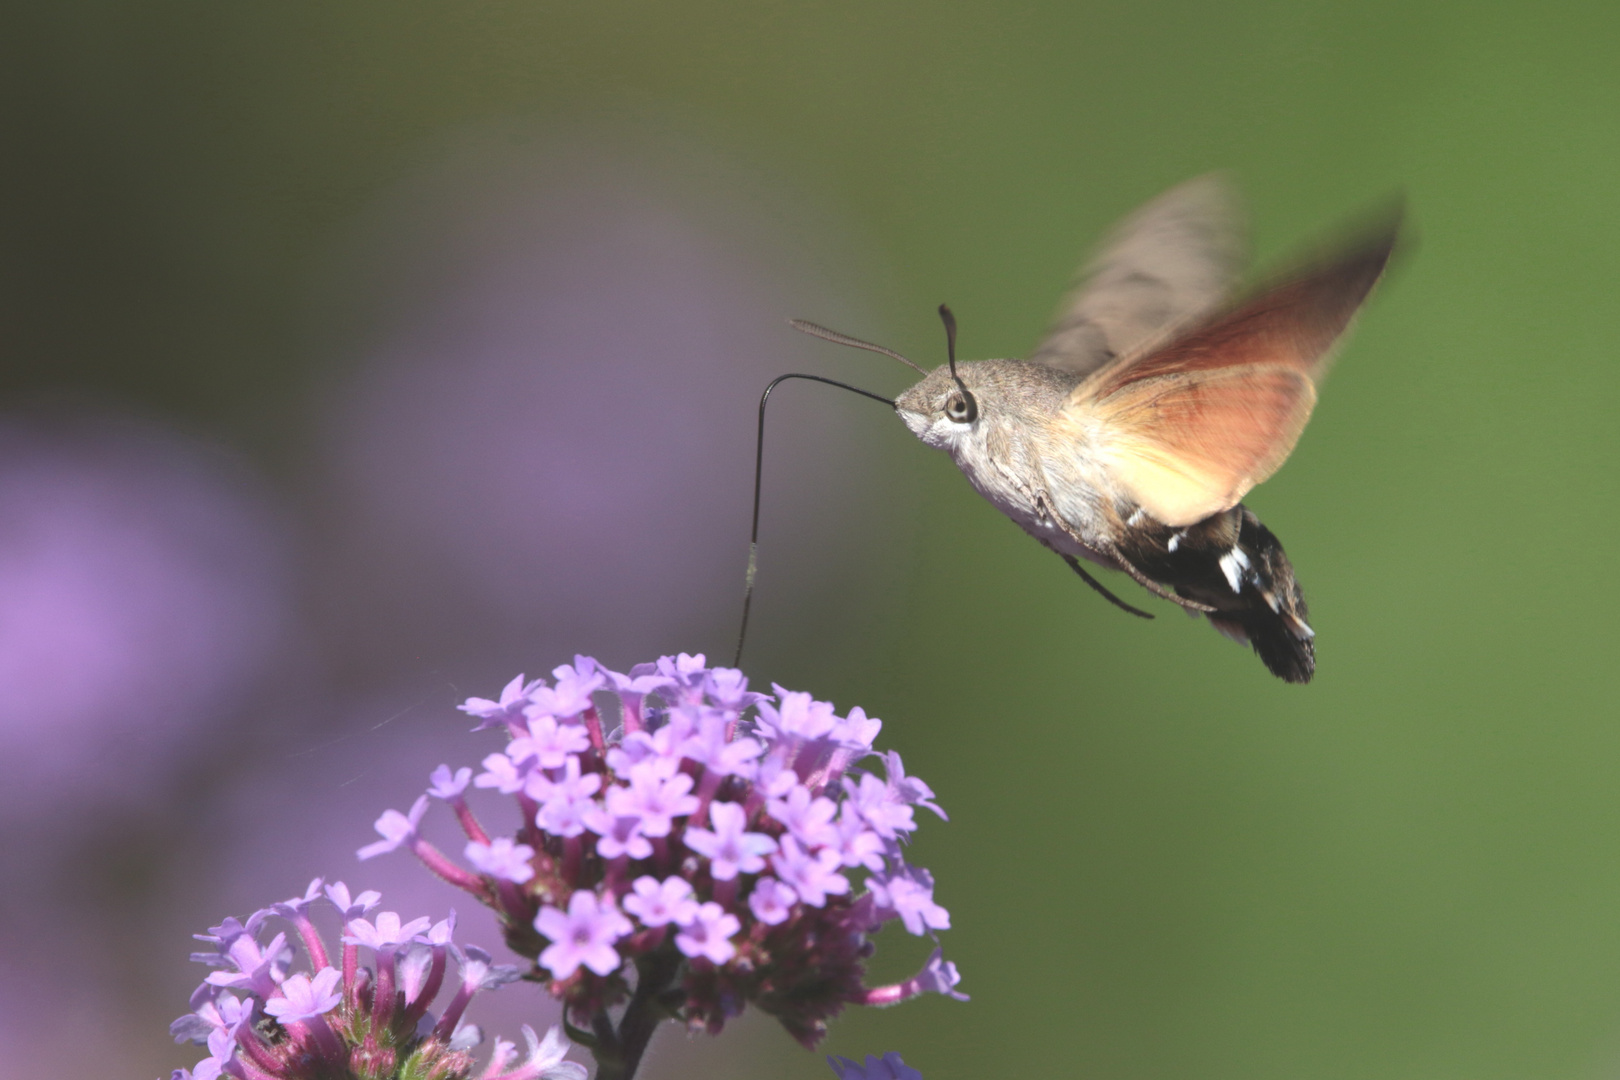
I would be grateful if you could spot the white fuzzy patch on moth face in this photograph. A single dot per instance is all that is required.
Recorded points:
(1175, 539)
(1234, 564)
(934, 429)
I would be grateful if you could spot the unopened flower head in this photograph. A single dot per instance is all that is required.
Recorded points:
(262, 1020)
(712, 848)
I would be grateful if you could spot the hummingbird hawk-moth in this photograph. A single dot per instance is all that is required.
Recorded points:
(1154, 403)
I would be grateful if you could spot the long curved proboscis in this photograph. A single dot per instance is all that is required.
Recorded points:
(759, 460)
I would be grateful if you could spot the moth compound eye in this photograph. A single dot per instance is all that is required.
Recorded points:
(961, 408)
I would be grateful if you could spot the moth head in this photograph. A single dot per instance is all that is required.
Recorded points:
(944, 408)
(923, 406)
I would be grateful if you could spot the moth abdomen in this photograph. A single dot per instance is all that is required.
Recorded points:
(1234, 564)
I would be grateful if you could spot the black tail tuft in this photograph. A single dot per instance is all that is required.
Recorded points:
(1235, 565)
(1269, 612)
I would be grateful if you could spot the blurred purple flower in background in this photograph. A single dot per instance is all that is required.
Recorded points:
(142, 588)
(551, 429)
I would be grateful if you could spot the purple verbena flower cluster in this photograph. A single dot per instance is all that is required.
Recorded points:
(712, 849)
(262, 1021)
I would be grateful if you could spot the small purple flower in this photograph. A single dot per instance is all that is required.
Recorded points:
(808, 818)
(258, 970)
(857, 731)
(305, 997)
(876, 801)
(771, 901)
(387, 934)
(686, 674)
(395, 829)
(909, 893)
(800, 716)
(448, 786)
(351, 908)
(812, 877)
(728, 689)
(224, 936)
(641, 751)
(299, 906)
(213, 1012)
(709, 934)
(545, 1060)
(712, 746)
(729, 848)
(909, 789)
(888, 1067)
(657, 800)
(570, 696)
(856, 844)
(440, 933)
(566, 801)
(502, 774)
(632, 690)
(508, 710)
(618, 836)
(585, 935)
(658, 903)
(549, 741)
(502, 858)
(939, 976)
(480, 972)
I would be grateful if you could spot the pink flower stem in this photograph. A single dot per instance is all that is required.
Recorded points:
(320, 1033)
(630, 715)
(614, 880)
(618, 1053)
(573, 856)
(512, 902)
(435, 860)
(351, 968)
(593, 725)
(892, 994)
(312, 942)
(661, 853)
(255, 1055)
(415, 1010)
(469, 824)
(446, 1026)
(707, 786)
(382, 1002)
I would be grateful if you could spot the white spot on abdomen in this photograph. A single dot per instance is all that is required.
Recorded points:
(1234, 564)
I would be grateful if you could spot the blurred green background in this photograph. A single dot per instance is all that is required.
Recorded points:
(1161, 862)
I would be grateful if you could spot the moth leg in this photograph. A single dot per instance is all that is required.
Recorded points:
(1154, 587)
(1074, 564)
(1124, 564)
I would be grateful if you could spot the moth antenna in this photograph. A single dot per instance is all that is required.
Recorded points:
(946, 317)
(969, 405)
(836, 338)
(759, 457)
